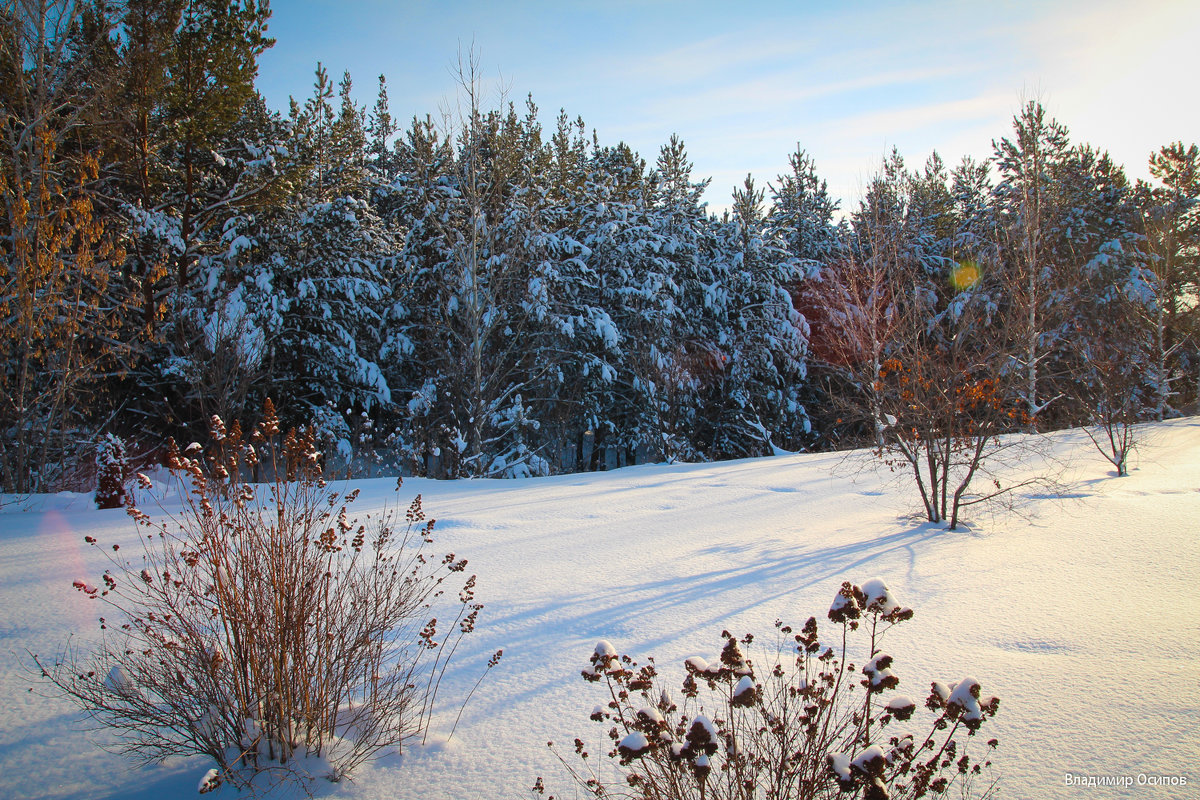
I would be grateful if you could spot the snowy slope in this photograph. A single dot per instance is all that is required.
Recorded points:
(1082, 615)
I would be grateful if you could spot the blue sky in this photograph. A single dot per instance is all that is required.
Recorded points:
(743, 86)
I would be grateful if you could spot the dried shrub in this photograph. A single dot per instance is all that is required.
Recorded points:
(805, 722)
(944, 423)
(265, 627)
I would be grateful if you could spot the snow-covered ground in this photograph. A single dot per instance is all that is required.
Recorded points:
(1082, 615)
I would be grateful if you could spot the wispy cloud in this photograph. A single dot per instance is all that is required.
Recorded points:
(1121, 75)
(744, 85)
(896, 121)
(744, 98)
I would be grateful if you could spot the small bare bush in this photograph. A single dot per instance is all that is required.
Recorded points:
(1115, 390)
(945, 425)
(806, 722)
(265, 627)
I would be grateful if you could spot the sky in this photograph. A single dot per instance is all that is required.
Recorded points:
(745, 87)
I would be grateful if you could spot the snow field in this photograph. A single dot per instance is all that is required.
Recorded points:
(1082, 617)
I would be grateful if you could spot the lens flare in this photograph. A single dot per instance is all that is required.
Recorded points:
(63, 544)
(965, 275)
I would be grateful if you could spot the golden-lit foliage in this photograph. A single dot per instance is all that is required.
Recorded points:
(55, 251)
(53, 242)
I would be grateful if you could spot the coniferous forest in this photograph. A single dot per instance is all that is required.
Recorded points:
(497, 292)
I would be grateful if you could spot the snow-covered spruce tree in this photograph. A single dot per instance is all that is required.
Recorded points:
(327, 257)
(974, 246)
(332, 279)
(802, 212)
(571, 328)
(415, 204)
(1101, 267)
(473, 216)
(1110, 375)
(264, 626)
(1115, 379)
(213, 350)
(570, 340)
(801, 215)
(112, 472)
(808, 718)
(688, 361)
(633, 306)
(756, 405)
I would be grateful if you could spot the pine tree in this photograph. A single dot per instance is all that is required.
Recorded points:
(1105, 278)
(140, 173)
(198, 162)
(417, 350)
(1170, 222)
(802, 212)
(380, 131)
(975, 235)
(210, 77)
(210, 351)
(1030, 211)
